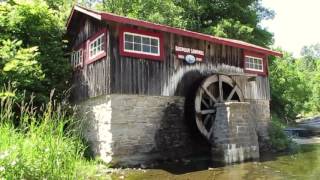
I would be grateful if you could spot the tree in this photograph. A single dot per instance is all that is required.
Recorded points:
(236, 19)
(312, 51)
(310, 55)
(290, 92)
(158, 11)
(225, 17)
(311, 66)
(19, 66)
(34, 24)
(229, 28)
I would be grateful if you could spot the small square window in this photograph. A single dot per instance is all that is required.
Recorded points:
(128, 37)
(145, 40)
(137, 47)
(77, 58)
(154, 50)
(253, 63)
(128, 46)
(96, 47)
(137, 39)
(146, 48)
(154, 42)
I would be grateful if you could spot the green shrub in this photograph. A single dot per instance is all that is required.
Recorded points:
(278, 139)
(44, 145)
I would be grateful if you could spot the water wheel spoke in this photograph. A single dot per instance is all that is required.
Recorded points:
(232, 93)
(205, 103)
(209, 94)
(211, 129)
(208, 111)
(220, 89)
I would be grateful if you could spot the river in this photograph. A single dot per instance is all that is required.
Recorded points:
(304, 165)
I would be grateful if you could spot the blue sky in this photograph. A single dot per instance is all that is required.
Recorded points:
(296, 23)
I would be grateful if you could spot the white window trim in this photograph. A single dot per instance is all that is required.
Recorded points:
(73, 60)
(100, 52)
(259, 70)
(141, 52)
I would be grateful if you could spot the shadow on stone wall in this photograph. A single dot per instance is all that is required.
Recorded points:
(187, 147)
(188, 86)
(171, 138)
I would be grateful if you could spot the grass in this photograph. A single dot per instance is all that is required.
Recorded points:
(41, 144)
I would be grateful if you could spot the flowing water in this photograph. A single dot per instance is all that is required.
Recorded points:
(303, 165)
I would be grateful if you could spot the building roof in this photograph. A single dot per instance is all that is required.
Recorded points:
(125, 20)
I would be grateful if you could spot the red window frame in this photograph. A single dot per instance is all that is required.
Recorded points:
(93, 38)
(137, 54)
(264, 71)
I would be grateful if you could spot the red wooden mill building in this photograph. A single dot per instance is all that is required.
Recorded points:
(148, 91)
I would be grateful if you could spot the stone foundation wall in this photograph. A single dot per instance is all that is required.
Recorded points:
(261, 114)
(234, 136)
(128, 130)
(132, 129)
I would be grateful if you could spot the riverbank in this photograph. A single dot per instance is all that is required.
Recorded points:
(302, 165)
(311, 140)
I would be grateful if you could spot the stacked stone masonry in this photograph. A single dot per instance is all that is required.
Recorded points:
(132, 129)
(234, 137)
(129, 130)
(261, 113)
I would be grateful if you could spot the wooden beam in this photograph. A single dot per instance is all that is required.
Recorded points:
(220, 89)
(232, 93)
(208, 111)
(209, 94)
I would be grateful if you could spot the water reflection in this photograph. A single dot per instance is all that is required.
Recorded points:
(304, 165)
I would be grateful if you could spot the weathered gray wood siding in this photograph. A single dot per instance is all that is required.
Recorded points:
(256, 89)
(93, 79)
(172, 76)
(127, 75)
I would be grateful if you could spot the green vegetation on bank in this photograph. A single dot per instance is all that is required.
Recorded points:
(44, 144)
(279, 141)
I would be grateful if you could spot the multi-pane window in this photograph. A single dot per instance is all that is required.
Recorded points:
(253, 63)
(141, 44)
(77, 58)
(96, 47)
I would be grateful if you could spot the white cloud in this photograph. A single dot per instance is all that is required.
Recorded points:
(297, 23)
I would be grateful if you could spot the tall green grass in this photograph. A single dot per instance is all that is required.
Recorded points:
(42, 143)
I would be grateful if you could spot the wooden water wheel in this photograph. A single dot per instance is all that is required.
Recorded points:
(214, 89)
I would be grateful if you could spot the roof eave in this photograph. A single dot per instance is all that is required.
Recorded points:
(160, 27)
(91, 13)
